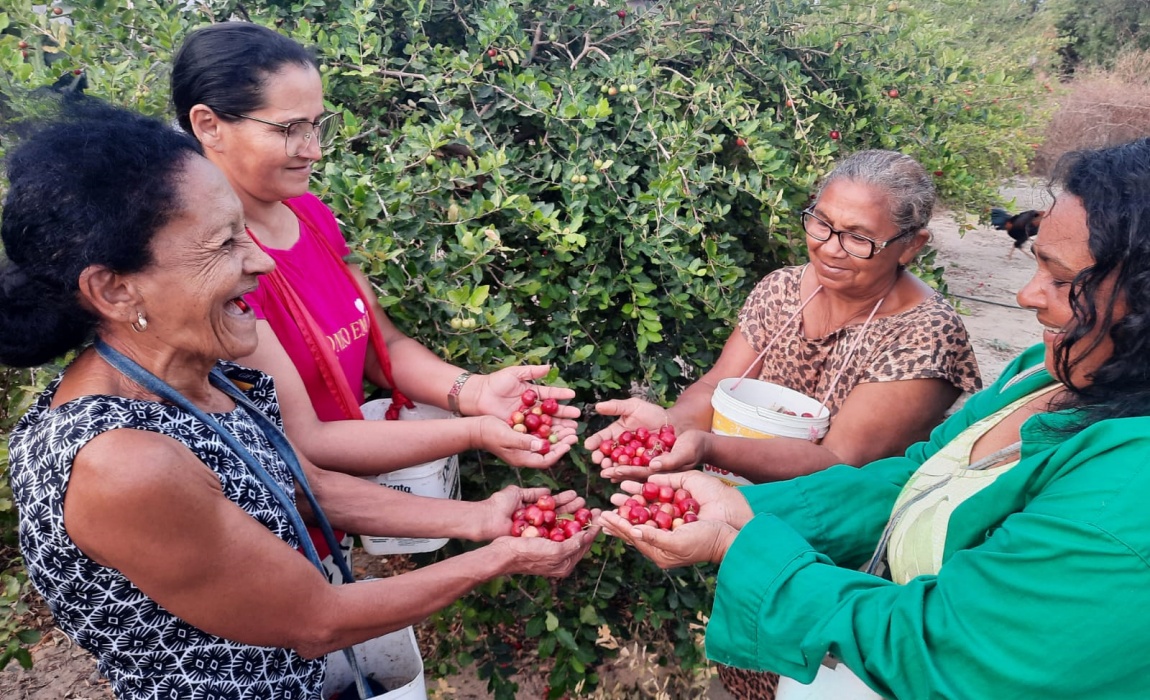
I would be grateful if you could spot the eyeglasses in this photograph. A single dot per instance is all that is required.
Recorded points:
(298, 134)
(854, 244)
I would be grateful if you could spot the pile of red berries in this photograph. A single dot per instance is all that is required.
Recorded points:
(534, 418)
(639, 447)
(661, 506)
(541, 520)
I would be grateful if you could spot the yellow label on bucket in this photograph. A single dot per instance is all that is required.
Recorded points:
(721, 425)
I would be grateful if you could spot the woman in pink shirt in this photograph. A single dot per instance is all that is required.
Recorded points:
(254, 100)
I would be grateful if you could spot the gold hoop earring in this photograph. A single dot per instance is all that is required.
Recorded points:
(141, 324)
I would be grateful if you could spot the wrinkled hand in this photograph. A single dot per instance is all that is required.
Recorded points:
(541, 557)
(717, 501)
(688, 451)
(502, 504)
(520, 449)
(633, 413)
(690, 543)
(499, 392)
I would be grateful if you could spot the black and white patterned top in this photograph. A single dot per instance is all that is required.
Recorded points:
(145, 651)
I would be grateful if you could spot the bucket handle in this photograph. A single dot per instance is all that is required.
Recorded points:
(771, 342)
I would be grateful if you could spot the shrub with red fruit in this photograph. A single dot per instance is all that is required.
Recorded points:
(534, 418)
(540, 520)
(638, 447)
(660, 506)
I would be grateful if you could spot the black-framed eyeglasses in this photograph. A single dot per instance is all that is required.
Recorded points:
(298, 134)
(854, 244)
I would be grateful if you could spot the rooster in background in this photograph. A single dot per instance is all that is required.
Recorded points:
(1021, 227)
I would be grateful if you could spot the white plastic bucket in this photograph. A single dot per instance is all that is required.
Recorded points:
(435, 479)
(393, 660)
(750, 408)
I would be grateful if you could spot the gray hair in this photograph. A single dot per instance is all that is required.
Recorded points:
(900, 177)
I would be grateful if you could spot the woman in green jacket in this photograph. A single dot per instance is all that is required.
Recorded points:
(1006, 557)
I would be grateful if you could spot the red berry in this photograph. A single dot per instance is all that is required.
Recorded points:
(663, 520)
(550, 406)
(689, 505)
(22, 45)
(530, 531)
(532, 422)
(57, 10)
(938, 173)
(492, 53)
(517, 528)
(528, 398)
(583, 516)
(650, 491)
(544, 448)
(690, 517)
(893, 92)
(666, 494)
(668, 440)
(571, 527)
(622, 14)
(558, 535)
(548, 517)
(534, 516)
(741, 142)
(639, 515)
(519, 514)
(641, 434)
(835, 136)
(681, 495)
(626, 437)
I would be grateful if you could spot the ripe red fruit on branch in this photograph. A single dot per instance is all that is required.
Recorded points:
(622, 14)
(835, 136)
(492, 53)
(893, 92)
(741, 142)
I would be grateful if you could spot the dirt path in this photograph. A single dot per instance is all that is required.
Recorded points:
(977, 270)
(985, 281)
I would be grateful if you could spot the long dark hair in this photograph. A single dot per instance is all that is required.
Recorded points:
(1114, 186)
(91, 186)
(226, 65)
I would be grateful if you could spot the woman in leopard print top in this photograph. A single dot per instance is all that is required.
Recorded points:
(885, 352)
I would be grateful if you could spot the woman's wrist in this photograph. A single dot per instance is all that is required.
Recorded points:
(455, 393)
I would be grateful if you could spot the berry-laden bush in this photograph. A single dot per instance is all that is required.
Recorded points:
(594, 184)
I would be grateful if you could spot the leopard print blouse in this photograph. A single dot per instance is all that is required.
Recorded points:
(927, 341)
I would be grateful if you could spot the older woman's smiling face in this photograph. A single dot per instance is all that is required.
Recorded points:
(203, 264)
(863, 209)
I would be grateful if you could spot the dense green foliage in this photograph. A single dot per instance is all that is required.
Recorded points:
(1095, 32)
(596, 186)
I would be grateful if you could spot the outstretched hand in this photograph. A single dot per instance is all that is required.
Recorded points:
(633, 414)
(499, 392)
(688, 451)
(690, 543)
(522, 449)
(717, 501)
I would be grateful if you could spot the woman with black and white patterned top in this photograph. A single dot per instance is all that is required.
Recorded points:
(158, 513)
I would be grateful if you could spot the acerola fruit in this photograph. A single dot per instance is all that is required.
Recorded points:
(550, 406)
(612, 91)
(622, 14)
(835, 136)
(650, 491)
(57, 10)
(893, 92)
(937, 173)
(22, 45)
(741, 142)
(492, 53)
(528, 397)
(546, 502)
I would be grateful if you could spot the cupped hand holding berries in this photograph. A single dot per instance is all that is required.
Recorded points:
(633, 415)
(716, 500)
(522, 449)
(501, 507)
(500, 393)
(537, 556)
(685, 452)
(689, 543)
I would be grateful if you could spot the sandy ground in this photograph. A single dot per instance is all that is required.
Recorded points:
(978, 272)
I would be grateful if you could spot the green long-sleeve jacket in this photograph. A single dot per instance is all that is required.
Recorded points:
(1044, 590)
